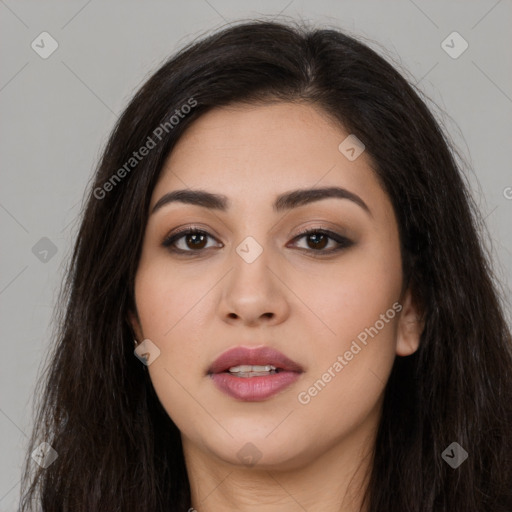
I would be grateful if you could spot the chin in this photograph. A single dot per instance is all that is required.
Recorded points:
(256, 449)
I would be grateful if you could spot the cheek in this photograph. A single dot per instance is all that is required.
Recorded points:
(356, 307)
(167, 300)
(349, 370)
(171, 312)
(350, 296)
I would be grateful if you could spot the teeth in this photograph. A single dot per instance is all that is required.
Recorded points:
(245, 368)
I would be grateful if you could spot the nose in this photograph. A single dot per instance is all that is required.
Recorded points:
(253, 293)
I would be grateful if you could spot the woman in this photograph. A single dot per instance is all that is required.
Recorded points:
(280, 231)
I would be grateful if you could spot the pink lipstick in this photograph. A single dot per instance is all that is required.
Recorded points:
(255, 374)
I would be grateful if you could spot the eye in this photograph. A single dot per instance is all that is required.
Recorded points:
(318, 239)
(191, 239)
(194, 240)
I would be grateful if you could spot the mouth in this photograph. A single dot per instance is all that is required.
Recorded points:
(253, 374)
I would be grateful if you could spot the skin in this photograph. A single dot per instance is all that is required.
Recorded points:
(193, 308)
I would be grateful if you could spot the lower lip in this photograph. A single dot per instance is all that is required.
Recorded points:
(254, 389)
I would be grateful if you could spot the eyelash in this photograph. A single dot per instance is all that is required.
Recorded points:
(343, 242)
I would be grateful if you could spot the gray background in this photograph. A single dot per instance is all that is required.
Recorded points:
(57, 113)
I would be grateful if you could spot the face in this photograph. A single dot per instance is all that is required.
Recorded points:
(330, 301)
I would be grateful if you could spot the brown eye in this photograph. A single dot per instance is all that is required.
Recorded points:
(318, 239)
(189, 240)
(196, 240)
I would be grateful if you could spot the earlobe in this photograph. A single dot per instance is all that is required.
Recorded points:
(410, 326)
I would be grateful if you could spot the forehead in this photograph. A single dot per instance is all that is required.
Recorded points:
(256, 152)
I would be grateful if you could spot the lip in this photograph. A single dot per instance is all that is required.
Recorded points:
(253, 356)
(253, 389)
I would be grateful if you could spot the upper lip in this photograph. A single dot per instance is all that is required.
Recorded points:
(253, 356)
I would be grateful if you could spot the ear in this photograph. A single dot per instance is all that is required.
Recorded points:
(410, 326)
(134, 323)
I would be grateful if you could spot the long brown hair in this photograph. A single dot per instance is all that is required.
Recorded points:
(117, 448)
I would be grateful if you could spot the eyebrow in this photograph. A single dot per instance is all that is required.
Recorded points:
(285, 201)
